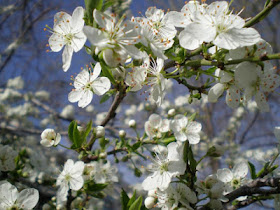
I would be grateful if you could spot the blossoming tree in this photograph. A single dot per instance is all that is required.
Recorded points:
(207, 49)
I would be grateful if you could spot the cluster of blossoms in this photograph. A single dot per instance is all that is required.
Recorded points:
(130, 55)
(118, 41)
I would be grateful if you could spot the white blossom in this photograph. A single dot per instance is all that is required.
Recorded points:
(50, 138)
(10, 198)
(233, 177)
(7, 158)
(185, 130)
(164, 168)
(155, 126)
(116, 39)
(70, 178)
(87, 83)
(68, 31)
(217, 24)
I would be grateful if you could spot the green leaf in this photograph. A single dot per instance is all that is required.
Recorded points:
(193, 162)
(210, 71)
(86, 132)
(124, 200)
(107, 95)
(106, 71)
(90, 5)
(136, 145)
(70, 130)
(252, 170)
(132, 199)
(77, 137)
(137, 204)
(267, 3)
(94, 187)
(168, 140)
(192, 117)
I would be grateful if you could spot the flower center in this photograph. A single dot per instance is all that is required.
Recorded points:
(68, 38)
(67, 177)
(163, 167)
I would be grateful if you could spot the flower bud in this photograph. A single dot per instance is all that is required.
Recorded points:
(215, 151)
(103, 155)
(171, 112)
(152, 193)
(132, 123)
(122, 133)
(149, 202)
(100, 131)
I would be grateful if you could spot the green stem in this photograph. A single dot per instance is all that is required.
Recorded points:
(201, 159)
(260, 16)
(64, 146)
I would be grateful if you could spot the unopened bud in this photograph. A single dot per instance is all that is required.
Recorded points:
(103, 155)
(80, 128)
(149, 202)
(100, 131)
(215, 151)
(122, 133)
(132, 123)
(171, 112)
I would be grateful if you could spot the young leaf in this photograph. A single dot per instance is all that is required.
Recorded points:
(252, 170)
(132, 199)
(107, 95)
(124, 200)
(86, 132)
(70, 130)
(90, 6)
(136, 204)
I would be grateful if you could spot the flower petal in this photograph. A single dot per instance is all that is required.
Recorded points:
(85, 99)
(75, 95)
(78, 20)
(101, 85)
(28, 198)
(67, 57)
(225, 175)
(240, 170)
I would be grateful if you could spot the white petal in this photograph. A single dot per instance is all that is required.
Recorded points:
(225, 175)
(157, 52)
(194, 127)
(235, 38)
(76, 183)
(217, 8)
(67, 57)
(101, 85)
(164, 126)
(193, 138)
(56, 42)
(240, 170)
(78, 41)
(78, 20)
(46, 142)
(133, 51)
(180, 136)
(28, 198)
(177, 19)
(215, 92)
(75, 95)
(104, 20)
(85, 99)
(68, 165)
(81, 79)
(261, 101)
(246, 74)
(233, 97)
(8, 194)
(96, 37)
(155, 120)
(149, 129)
(96, 72)
(173, 154)
(62, 23)
(78, 168)
(57, 139)
(110, 59)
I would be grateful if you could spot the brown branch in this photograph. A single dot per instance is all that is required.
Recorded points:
(112, 111)
(24, 131)
(50, 110)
